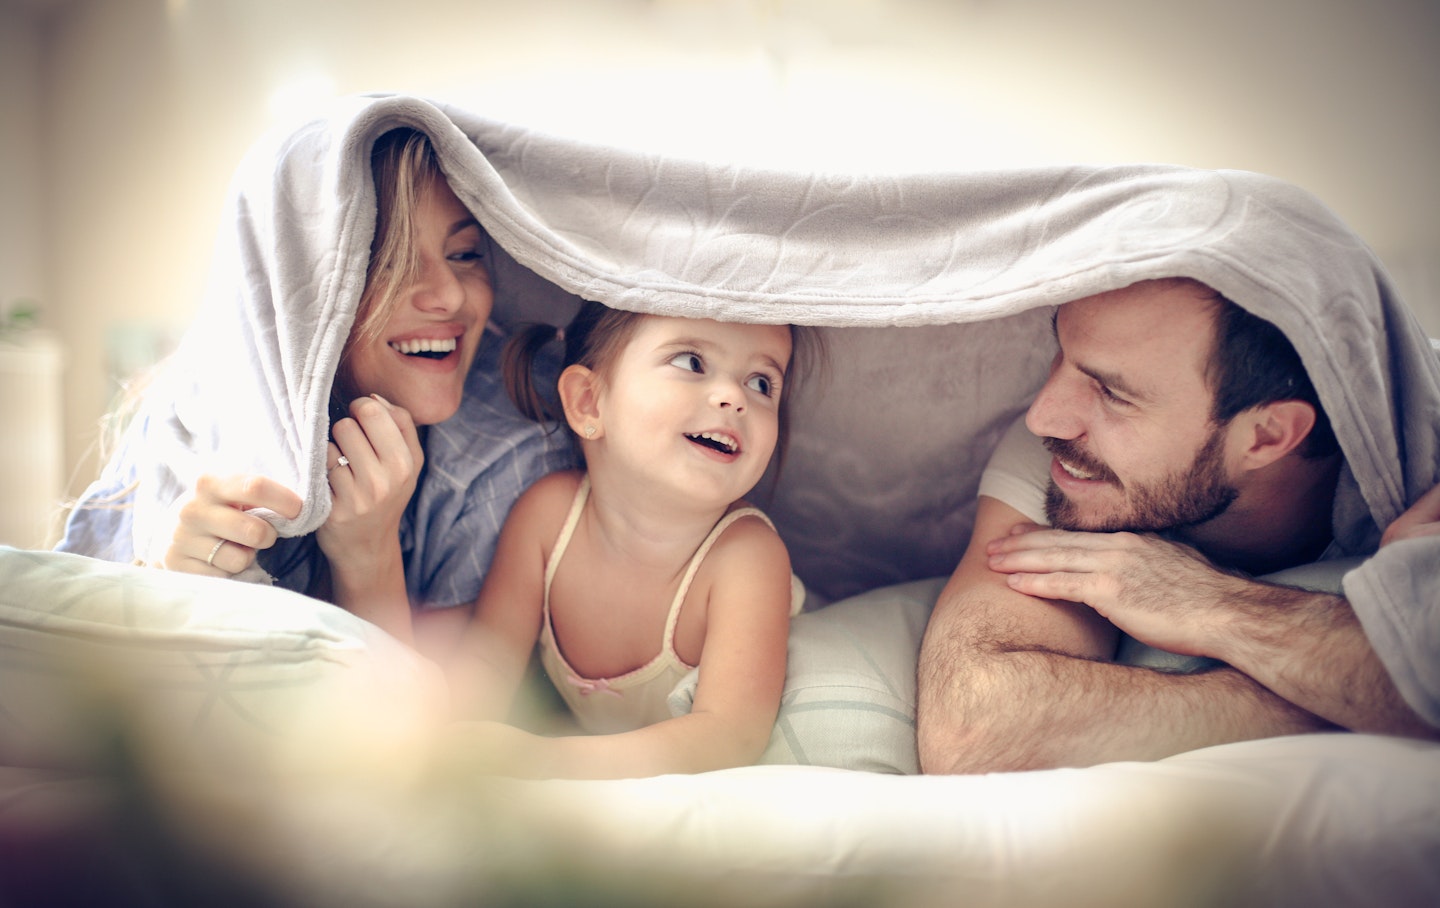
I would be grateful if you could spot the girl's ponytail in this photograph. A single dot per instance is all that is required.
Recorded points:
(593, 339)
(517, 367)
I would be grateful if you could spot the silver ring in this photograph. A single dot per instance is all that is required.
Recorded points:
(342, 462)
(210, 559)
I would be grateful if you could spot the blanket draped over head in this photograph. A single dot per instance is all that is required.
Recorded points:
(934, 294)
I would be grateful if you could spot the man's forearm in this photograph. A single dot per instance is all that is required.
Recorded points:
(999, 711)
(1310, 649)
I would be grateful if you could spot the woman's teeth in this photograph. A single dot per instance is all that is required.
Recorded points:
(423, 346)
(718, 440)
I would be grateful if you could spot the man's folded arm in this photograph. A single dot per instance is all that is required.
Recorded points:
(1010, 682)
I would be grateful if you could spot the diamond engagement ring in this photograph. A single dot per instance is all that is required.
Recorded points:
(210, 559)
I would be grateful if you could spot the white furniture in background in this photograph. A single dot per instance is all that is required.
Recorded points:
(31, 437)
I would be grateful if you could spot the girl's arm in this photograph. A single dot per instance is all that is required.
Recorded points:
(489, 662)
(742, 674)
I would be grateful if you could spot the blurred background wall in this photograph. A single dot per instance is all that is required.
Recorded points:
(121, 121)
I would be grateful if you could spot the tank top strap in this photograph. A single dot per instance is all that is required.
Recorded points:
(562, 542)
(724, 523)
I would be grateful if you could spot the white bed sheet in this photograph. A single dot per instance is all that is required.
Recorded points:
(295, 762)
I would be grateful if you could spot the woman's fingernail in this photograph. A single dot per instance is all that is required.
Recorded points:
(381, 399)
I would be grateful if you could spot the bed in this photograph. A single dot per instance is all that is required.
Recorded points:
(168, 739)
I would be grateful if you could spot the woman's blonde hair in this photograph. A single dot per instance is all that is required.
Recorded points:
(405, 168)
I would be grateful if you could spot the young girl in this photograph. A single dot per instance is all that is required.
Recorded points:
(645, 565)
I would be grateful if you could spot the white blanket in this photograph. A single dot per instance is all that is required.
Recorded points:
(882, 477)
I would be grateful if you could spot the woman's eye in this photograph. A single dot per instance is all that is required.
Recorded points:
(760, 383)
(467, 255)
(690, 362)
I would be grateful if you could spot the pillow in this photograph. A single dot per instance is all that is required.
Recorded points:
(1318, 577)
(849, 699)
(202, 668)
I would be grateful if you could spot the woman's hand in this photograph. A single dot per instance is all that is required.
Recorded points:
(215, 535)
(374, 464)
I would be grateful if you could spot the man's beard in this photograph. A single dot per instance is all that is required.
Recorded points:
(1182, 499)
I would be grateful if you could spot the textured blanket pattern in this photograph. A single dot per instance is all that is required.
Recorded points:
(934, 293)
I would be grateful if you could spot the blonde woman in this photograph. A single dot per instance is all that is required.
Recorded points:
(417, 379)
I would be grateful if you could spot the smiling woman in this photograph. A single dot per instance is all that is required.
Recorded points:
(397, 535)
(427, 292)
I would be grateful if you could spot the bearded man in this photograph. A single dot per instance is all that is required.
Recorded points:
(1176, 449)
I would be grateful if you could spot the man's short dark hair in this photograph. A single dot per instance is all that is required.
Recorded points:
(1252, 364)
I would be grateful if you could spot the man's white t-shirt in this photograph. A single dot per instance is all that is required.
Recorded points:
(1018, 472)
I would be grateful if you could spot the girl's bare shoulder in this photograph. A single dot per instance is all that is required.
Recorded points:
(547, 501)
(750, 537)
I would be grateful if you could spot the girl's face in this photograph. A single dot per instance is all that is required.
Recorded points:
(696, 402)
(420, 358)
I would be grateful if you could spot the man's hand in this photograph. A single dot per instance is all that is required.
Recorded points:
(1306, 647)
(1161, 593)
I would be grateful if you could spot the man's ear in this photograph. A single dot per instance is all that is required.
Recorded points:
(1274, 430)
(579, 388)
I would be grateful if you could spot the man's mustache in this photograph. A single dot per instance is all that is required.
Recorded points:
(1077, 457)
